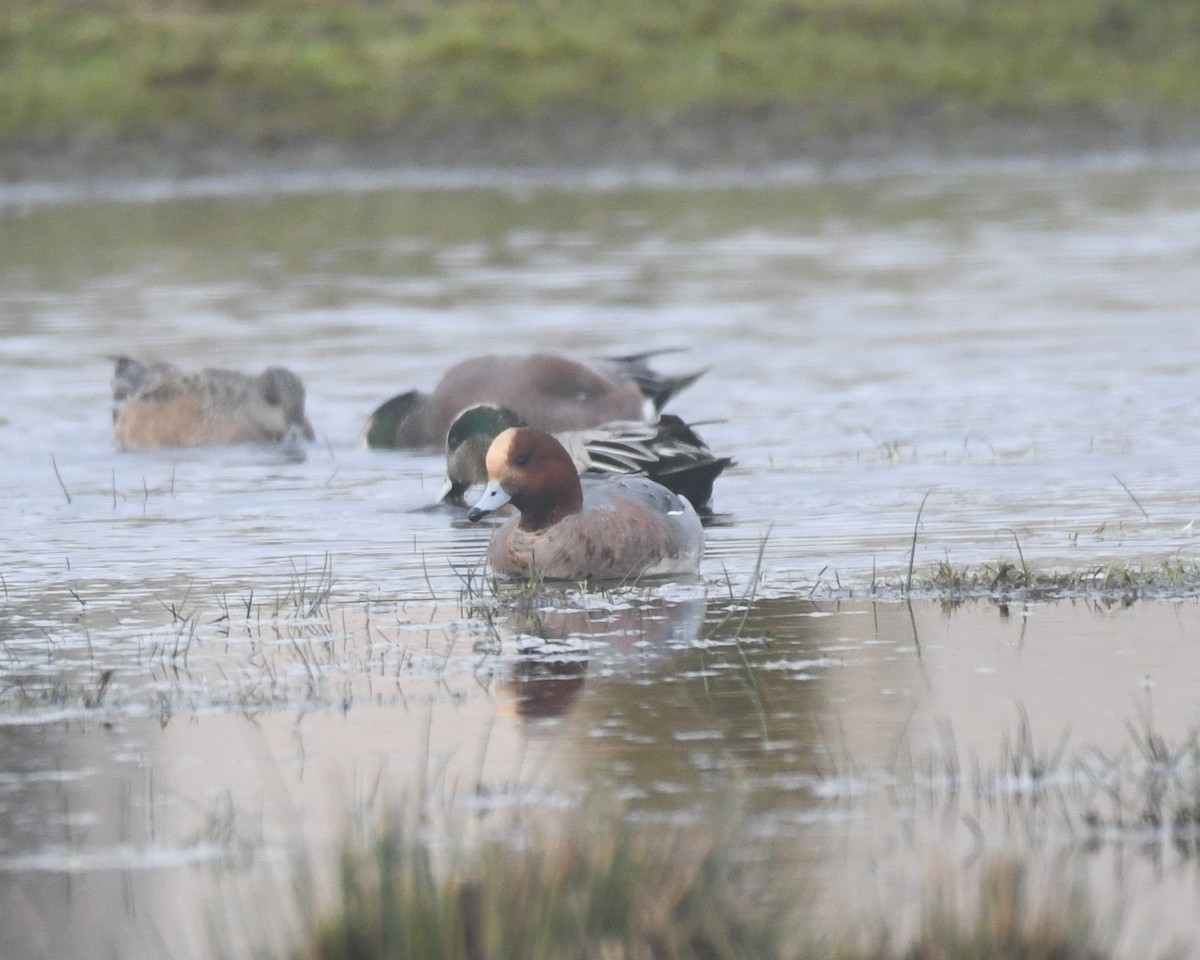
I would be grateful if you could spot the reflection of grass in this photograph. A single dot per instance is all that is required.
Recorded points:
(58, 693)
(595, 888)
(269, 71)
(1147, 794)
(1155, 796)
(307, 596)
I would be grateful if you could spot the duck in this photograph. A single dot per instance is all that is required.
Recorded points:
(546, 390)
(158, 405)
(667, 451)
(581, 529)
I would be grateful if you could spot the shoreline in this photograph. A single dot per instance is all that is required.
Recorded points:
(709, 146)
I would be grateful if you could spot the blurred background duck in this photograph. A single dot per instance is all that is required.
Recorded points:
(545, 390)
(158, 405)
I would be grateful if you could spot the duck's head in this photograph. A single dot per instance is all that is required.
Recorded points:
(467, 442)
(283, 393)
(532, 470)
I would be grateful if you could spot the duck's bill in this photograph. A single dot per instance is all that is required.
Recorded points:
(494, 497)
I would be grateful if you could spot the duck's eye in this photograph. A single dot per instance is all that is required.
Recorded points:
(521, 459)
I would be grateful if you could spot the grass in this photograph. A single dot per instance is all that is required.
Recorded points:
(1143, 796)
(298, 651)
(588, 890)
(56, 693)
(596, 882)
(598, 888)
(1152, 792)
(1008, 922)
(278, 71)
(1113, 582)
(604, 884)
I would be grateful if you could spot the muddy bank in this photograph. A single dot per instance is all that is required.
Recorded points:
(701, 140)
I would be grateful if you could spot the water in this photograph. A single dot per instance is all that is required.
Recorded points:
(207, 657)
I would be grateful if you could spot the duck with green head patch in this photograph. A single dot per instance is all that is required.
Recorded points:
(668, 451)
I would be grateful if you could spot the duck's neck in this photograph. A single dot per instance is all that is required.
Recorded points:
(560, 496)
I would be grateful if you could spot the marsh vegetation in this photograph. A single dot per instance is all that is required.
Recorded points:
(590, 887)
(943, 637)
(554, 79)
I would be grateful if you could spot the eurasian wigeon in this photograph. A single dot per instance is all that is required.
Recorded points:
(157, 405)
(668, 451)
(545, 390)
(617, 528)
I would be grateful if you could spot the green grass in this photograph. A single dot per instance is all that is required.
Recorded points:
(590, 890)
(276, 71)
(598, 883)
(596, 889)
(1113, 582)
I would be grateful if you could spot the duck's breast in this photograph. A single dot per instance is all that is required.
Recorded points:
(629, 527)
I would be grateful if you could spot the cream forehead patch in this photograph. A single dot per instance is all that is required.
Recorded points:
(497, 455)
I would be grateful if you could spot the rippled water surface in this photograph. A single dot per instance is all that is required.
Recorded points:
(205, 655)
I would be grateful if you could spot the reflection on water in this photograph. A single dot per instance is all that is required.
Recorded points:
(211, 658)
(558, 647)
(822, 720)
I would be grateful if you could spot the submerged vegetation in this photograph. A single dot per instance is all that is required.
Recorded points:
(273, 72)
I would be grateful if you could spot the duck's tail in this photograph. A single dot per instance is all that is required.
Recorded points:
(669, 452)
(694, 481)
(655, 387)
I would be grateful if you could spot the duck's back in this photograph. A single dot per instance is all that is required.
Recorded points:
(546, 391)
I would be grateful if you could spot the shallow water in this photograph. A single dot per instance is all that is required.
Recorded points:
(291, 641)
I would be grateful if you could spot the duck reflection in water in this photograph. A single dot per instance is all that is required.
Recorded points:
(558, 646)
